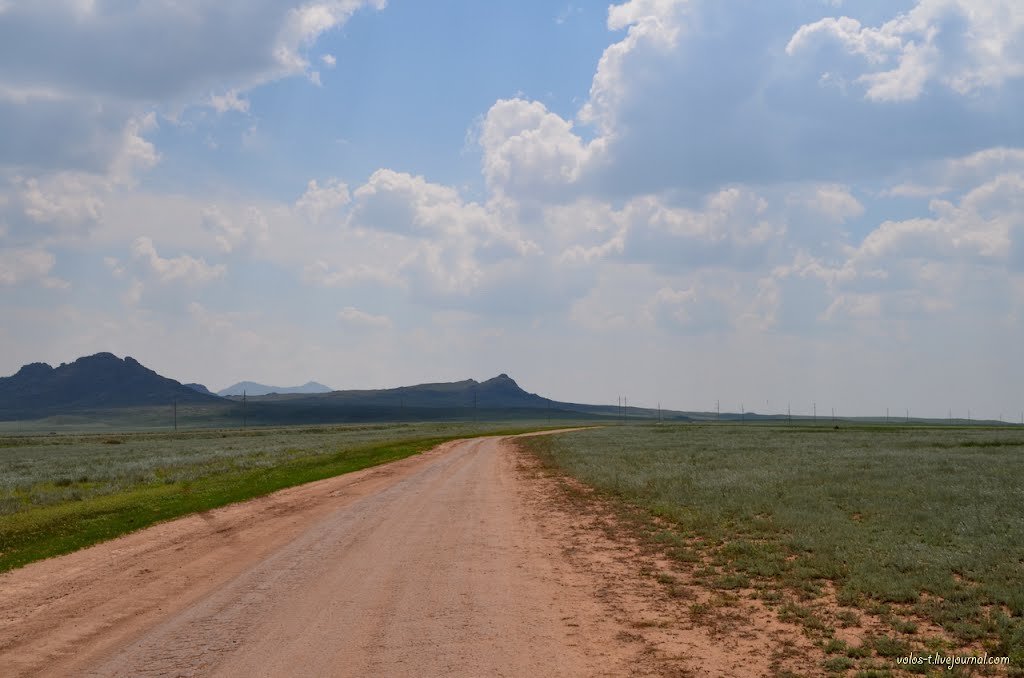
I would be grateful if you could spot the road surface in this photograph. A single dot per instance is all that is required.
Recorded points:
(436, 565)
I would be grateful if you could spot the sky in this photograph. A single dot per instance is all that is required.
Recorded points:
(802, 203)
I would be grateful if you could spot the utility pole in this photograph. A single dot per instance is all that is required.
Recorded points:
(743, 412)
(175, 414)
(243, 409)
(887, 415)
(814, 406)
(833, 416)
(625, 409)
(718, 412)
(789, 413)
(659, 413)
(968, 417)
(908, 415)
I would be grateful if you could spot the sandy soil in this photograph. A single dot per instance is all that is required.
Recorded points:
(462, 561)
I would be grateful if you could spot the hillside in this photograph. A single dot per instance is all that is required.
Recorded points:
(94, 382)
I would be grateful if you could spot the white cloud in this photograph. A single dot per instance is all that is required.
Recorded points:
(79, 88)
(354, 317)
(530, 152)
(329, 60)
(229, 101)
(653, 25)
(318, 201)
(965, 45)
(135, 153)
(732, 228)
(834, 202)
(19, 266)
(66, 199)
(185, 268)
(65, 204)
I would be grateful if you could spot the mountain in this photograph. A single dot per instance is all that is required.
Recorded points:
(200, 388)
(104, 390)
(251, 388)
(499, 392)
(93, 382)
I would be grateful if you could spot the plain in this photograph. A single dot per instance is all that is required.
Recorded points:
(916, 529)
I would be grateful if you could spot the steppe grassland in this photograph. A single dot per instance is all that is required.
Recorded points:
(911, 525)
(59, 493)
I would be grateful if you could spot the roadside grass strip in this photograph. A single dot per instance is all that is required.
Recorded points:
(913, 536)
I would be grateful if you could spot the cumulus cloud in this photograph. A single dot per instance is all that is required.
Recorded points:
(231, 234)
(732, 228)
(80, 79)
(657, 118)
(65, 199)
(185, 268)
(651, 25)
(964, 45)
(530, 152)
(964, 256)
(229, 101)
(319, 200)
(410, 206)
(157, 52)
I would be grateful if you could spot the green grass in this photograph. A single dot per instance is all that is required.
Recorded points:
(62, 493)
(908, 522)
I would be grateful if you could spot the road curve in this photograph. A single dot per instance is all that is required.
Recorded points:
(433, 565)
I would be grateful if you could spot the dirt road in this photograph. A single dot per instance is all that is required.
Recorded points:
(468, 560)
(437, 565)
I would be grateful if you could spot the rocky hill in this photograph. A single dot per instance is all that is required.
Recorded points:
(94, 382)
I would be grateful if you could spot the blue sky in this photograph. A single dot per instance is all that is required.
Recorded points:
(681, 201)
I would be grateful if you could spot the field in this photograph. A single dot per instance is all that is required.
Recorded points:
(59, 493)
(912, 535)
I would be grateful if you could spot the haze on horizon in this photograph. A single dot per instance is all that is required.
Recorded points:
(680, 201)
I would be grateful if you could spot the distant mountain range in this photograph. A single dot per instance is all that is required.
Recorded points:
(93, 382)
(501, 391)
(105, 387)
(251, 388)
